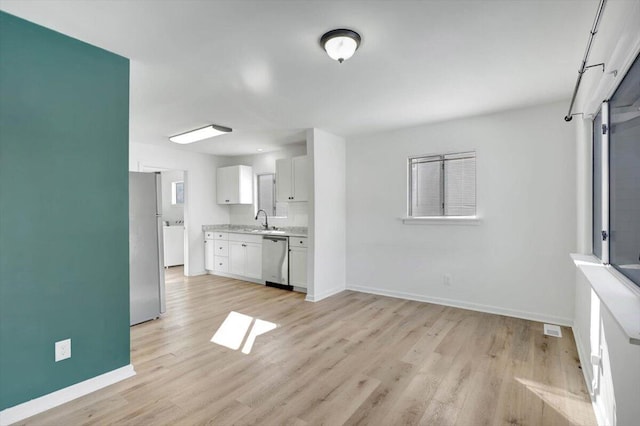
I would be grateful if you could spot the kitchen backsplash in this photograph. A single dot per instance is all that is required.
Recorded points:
(297, 215)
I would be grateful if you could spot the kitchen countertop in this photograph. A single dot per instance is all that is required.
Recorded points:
(289, 231)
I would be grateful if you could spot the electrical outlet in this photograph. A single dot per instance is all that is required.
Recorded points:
(446, 280)
(63, 349)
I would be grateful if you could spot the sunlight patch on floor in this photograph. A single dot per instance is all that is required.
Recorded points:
(573, 408)
(238, 328)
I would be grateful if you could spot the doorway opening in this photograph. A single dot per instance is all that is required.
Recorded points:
(175, 208)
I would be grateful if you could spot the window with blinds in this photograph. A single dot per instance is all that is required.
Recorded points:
(442, 185)
(267, 193)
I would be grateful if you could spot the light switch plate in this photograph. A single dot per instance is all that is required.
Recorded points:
(63, 349)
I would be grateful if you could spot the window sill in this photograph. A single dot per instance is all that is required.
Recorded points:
(442, 220)
(616, 292)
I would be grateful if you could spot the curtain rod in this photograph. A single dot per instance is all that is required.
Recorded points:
(584, 67)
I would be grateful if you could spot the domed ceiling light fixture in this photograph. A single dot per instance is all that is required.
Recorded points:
(340, 44)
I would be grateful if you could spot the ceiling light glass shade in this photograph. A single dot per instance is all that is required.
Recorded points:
(340, 44)
(200, 134)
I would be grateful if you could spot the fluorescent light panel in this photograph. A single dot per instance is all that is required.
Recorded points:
(199, 134)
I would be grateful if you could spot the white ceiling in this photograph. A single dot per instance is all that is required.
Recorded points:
(257, 66)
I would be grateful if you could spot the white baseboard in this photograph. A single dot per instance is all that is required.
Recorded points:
(324, 294)
(587, 372)
(533, 316)
(38, 405)
(236, 277)
(197, 274)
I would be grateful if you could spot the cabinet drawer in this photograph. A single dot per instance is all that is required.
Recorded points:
(246, 238)
(221, 264)
(221, 248)
(208, 235)
(297, 241)
(220, 235)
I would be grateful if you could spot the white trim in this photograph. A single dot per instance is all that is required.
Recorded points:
(197, 274)
(38, 405)
(587, 372)
(236, 277)
(324, 294)
(604, 188)
(442, 220)
(618, 294)
(532, 316)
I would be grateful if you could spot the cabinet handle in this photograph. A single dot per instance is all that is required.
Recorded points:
(226, 201)
(244, 245)
(220, 264)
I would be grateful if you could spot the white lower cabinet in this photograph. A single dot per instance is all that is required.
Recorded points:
(245, 255)
(237, 257)
(209, 254)
(215, 251)
(221, 264)
(298, 261)
(254, 261)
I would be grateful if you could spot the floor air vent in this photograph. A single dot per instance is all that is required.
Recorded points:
(552, 330)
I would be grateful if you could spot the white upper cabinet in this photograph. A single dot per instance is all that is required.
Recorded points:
(292, 179)
(235, 185)
(301, 178)
(284, 180)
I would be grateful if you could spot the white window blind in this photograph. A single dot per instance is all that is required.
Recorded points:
(442, 185)
(426, 194)
(460, 185)
(266, 193)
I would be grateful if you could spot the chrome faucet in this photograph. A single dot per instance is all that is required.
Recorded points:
(266, 218)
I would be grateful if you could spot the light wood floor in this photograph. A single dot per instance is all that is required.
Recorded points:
(350, 359)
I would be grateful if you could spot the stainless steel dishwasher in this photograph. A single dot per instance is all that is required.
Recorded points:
(275, 261)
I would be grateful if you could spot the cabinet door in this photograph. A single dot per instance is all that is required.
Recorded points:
(254, 261)
(221, 264)
(284, 187)
(245, 185)
(228, 185)
(209, 252)
(237, 257)
(222, 191)
(300, 178)
(298, 267)
(222, 247)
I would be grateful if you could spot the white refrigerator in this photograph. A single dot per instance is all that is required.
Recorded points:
(146, 269)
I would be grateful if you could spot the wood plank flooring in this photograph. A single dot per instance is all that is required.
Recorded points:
(353, 359)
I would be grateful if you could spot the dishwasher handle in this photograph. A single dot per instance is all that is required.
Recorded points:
(275, 239)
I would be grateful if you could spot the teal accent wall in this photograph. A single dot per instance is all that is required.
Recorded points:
(64, 237)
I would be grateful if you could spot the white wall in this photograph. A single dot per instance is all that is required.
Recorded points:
(266, 163)
(200, 197)
(327, 212)
(618, 378)
(615, 390)
(516, 261)
(171, 212)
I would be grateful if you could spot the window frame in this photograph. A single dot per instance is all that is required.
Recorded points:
(175, 200)
(257, 198)
(605, 167)
(442, 158)
(604, 184)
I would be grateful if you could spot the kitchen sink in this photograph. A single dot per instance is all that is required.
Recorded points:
(269, 232)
